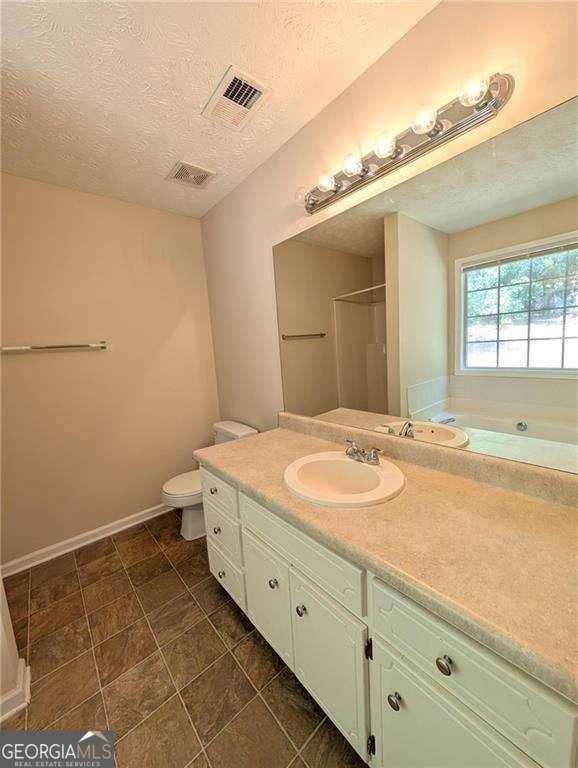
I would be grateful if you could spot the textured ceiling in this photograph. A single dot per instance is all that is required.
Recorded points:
(106, 97)
(534, 164)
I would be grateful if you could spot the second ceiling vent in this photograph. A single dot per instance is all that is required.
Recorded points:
(237, 97)
(189, 174)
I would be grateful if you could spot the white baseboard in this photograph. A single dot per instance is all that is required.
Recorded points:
(13, 701)
(61, 547)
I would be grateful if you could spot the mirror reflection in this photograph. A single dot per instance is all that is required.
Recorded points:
(446, 309)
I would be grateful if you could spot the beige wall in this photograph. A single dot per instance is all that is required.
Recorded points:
(307, 277)
(534, 41)
(89, 437)
(416, 258)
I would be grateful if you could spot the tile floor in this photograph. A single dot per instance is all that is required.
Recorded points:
(132, 633)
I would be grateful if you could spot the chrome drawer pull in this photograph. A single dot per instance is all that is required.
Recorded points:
(273, 583)
(444, 664)
(213, 491)
(301, 610)
(217, 530)
(221, 574)
(394, 701)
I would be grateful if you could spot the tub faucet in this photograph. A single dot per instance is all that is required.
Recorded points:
(448, 420)
(406, 430)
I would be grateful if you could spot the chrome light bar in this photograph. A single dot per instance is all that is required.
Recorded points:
(450, 121)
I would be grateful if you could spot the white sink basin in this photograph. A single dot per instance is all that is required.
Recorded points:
(430, 432)
(334, 480)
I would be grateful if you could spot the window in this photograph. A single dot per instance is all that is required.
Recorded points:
(522, 312)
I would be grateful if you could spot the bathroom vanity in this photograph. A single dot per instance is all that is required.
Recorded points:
(399, 676)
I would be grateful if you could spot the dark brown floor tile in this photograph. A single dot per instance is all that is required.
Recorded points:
(231, 623)
(159, 591)
(328, 749)
(105, 591)
(163, 740)
(56, 588)
(297, 712)
(21, 633)
(129, 533)
(94, 551)
(56, 616)
(136, 548)
(99, 569)
(15, 723)
(258, 659)
(55, 649)
(137, 693)
(62, 690)
(192, 652)
(41, 574)
(148, 569)
(174, 617)
(215, 697)
(194, 569)
(199, 762)
(184, 549)
(122, 651)
(88, 715)
(252, 740)
(17, 584)
(113, 617)
(18, 605)
(210, 595)
(166, 528)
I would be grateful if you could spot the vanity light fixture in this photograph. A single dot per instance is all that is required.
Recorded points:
(480, 99)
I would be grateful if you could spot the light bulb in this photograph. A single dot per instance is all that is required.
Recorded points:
(326, 183)
(424, 121)
(385, 146)
(352, 166)
(473, 91)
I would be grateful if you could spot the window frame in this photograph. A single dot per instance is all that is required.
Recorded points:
(479, 259)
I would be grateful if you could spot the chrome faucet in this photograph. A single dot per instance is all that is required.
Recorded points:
(358, 454)
(406, 430)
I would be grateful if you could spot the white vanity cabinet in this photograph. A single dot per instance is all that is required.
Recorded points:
(406, 689)
(268, 595)
(417, 726)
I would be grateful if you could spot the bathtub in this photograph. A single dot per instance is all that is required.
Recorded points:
(542, 429)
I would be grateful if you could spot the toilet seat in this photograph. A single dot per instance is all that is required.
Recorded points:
(183, 490)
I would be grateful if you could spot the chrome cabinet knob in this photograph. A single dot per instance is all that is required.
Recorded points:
(394, 701)
(444, 664)
(221, 574)
(273, 583)
(301, 610)
(213, 491)
(217, 530)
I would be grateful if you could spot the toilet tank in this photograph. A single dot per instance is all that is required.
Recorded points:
(231, 430)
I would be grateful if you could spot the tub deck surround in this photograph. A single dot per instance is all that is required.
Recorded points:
(496, 564)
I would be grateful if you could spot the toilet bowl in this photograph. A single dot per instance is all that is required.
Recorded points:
(184, 491)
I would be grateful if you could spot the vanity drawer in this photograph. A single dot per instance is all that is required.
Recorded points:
(534, 719)
(220, 493)
(228, 575)
(341, 579)
(223, 532)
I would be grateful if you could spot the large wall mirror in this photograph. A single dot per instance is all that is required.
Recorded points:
(446, 309)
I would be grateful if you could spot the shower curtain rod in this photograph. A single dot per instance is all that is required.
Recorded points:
(356, 293)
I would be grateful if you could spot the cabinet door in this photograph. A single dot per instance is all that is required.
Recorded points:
(268, 600)
(430, 729)
(329, 647)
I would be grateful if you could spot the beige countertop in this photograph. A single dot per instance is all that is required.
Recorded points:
(497, 564)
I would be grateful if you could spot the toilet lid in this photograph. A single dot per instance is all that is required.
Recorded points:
(184, 485)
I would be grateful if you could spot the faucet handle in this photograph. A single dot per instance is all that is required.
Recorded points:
(373, 455)
(352, 448)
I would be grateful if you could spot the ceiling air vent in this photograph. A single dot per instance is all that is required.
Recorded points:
(185, 173)
(236, 98)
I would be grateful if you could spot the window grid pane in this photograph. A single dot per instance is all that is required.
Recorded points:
(522, 313)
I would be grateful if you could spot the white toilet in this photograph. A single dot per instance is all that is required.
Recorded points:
(184, 491)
